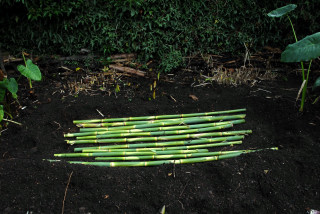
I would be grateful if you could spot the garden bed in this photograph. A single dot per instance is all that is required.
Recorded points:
(283, 181)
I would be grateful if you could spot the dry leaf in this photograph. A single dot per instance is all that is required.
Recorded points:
(193, 97)
(173, 99)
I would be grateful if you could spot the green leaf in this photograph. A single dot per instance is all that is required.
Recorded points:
(12, 86)
(2, 94)
(4, 83)
(30, 71)
(3, 88)
(303, 50)
(282, 10)
(1, 113)
(316, 84)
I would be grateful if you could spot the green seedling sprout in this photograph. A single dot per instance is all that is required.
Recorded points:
(163, 210)
(306, 49)
(30, 70)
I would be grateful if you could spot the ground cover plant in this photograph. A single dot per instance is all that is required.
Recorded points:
(155, 30)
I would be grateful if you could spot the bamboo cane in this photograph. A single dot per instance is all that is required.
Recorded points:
(148, 124)
(129, 150)
(165, 144)
(164, 128)
(159, 162)
(158, 117)
(200, 146)
(98, 154)
(173, 132)
(174, 156)
(161, 138)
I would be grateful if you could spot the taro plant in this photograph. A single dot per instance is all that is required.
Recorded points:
(306, 49)
(12, 86)
(30, 70)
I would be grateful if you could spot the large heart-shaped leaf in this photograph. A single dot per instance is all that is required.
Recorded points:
(1, 113)
(30, 71)
(282, 10)
(316, 84)
(303, 50)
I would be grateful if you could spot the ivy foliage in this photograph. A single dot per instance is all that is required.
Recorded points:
(152, 28)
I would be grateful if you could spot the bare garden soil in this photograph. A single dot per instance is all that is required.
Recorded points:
(283, 181)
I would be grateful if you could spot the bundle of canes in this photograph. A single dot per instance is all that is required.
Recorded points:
(163, 139)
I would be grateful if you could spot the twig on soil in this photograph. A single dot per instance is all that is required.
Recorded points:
(181, 204)
(183, 189)
(5, 152)
(100, 113)
(67, 69)
(65, 192)
(128, 70)
(200, 85)
(57, 124)
(173, 98)
(3, 130)
(11, 121)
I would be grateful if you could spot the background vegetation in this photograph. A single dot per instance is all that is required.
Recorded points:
(152, 28)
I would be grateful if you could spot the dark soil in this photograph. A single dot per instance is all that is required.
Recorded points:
(283, 181)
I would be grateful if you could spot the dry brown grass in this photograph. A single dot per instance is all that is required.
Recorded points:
(239, 76)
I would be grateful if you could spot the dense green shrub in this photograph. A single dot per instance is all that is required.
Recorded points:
(151, 28)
